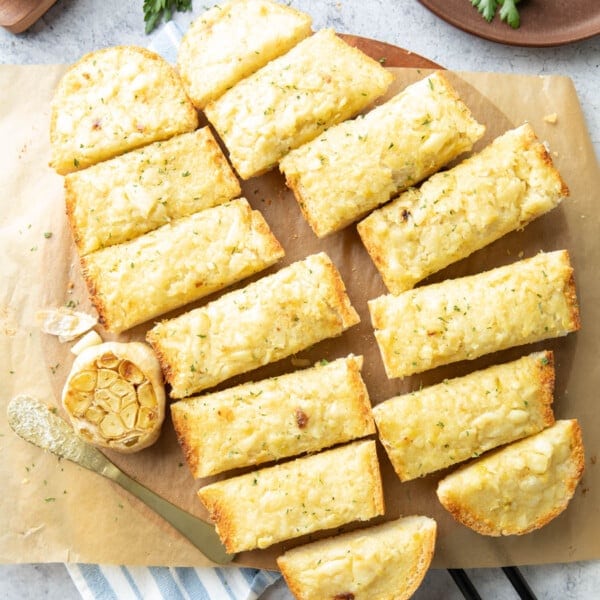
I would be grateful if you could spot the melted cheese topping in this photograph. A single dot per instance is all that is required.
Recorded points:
(253, 423)
(398, 144)
(136, 281)
(318, 83)
(521, 303)
(438, 426)
(519, 488)
(454, 213)
(321, 491)
(386, 562)
(115, 100)
(233, 40)
(267, 320)
(122, 198)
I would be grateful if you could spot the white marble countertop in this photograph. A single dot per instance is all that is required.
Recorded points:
(72, 28)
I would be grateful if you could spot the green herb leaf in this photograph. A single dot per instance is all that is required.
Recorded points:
(157, 10)
(509, 13)
(486, 7)
(508, 10)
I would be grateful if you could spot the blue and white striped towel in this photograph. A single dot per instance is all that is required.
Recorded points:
(110, 582)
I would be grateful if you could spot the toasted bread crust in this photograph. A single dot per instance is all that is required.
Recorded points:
(571, 296)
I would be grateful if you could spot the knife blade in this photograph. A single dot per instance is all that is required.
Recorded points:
(36, 423)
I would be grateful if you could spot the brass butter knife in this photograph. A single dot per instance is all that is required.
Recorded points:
(36, 423)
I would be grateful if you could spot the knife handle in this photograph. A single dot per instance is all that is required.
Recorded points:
(203, 535)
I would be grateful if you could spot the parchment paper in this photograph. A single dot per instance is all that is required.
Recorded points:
(52, 510)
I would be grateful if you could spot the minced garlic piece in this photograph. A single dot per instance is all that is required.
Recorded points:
(64, 322)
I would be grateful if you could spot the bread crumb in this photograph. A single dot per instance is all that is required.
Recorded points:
(300, 362)
(552, 118)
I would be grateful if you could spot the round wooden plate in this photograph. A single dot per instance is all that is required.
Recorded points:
(543, 22)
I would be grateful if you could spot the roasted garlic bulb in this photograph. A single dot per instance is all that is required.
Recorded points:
(115, 396)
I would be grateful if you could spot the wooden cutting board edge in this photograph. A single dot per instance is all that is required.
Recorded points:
(388, 54)
(17, 15)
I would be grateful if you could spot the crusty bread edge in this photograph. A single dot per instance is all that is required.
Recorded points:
(214, 501)
(570, 293)
(293, 182)
(179, 416)
(378, 506)
(547, 378)
(258, 224)
(360, 394)
(342, 304)
(95, 297)
(70, 204)
(153, 338)
(533, 143)
(373, 247)
(422, 564)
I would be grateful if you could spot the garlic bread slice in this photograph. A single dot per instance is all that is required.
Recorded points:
(520, 487)
(112, 101)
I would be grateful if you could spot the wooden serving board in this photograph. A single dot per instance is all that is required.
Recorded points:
(388, 54)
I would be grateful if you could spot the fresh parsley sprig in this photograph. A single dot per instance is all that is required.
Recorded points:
(508, 10)
(155, 10)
